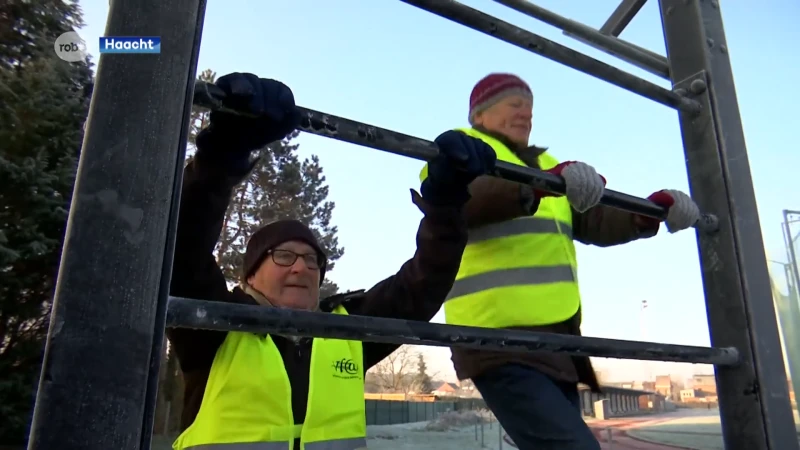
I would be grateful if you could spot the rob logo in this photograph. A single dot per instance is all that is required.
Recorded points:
(70, 47)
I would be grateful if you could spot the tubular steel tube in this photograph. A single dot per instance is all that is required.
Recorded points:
(479, 21)
(654, 63)
(97, 384)
(189, 313)
(622, 16)
(210, 96)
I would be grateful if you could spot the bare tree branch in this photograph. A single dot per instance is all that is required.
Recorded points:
(397, 373)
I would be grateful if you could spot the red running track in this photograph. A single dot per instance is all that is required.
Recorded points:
(619, 435)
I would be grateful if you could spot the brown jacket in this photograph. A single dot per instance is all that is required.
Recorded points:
(497, 200)
(415, 292)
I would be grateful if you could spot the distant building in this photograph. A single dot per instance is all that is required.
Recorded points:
(690, 395)
(665, 386)
(446, 390)
(700, 388)
(623, 384)
(706, 385)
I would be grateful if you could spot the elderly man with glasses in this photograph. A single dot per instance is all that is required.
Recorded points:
(247, 390)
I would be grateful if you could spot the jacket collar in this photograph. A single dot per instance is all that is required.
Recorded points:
(254, 297)
(530, 151)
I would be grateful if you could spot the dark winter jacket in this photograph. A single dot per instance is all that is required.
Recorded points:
(415, 292)
(497, 200)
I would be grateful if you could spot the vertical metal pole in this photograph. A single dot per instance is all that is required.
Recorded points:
(791, 251)
(786, 308)
(105, 329)
(643, 330)
(151, 397)
(791, 314)
(499, 436)
(754, 404)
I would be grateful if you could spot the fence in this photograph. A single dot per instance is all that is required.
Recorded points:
(388, 412)
(99, 377)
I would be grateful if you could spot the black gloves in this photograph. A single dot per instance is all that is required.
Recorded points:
(461, 159)
(232, 137)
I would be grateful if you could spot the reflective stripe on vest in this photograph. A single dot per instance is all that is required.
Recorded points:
(341, 444)
(518, 272)
(247, 403)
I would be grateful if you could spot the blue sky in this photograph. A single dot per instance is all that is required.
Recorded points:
(395, 66)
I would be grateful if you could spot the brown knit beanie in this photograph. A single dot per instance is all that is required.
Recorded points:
(493, 88)
(274, 234)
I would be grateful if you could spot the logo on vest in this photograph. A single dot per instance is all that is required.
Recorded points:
(345, 369)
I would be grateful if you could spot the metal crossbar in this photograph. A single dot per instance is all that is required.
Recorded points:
(626, 51)
(346, 130)
(477, 20)
(100, 370)
(621, 17)
(190, 313)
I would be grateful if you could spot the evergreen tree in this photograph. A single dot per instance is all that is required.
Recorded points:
(281, 186)
(423, 381)
(29, 28)
(43, 104)
(199, 117)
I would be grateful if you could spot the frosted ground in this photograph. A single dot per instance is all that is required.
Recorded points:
(451, 431)
(413, 436)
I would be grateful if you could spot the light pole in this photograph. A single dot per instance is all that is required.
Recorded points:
(643, 330)
(790, 240)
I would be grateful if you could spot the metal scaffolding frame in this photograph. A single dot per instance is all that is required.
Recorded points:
(112, 303)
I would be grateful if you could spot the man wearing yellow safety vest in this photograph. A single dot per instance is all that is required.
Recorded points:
(519, 270)
(249, 391)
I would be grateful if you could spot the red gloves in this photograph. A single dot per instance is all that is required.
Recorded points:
(682, 211)
(660, 198)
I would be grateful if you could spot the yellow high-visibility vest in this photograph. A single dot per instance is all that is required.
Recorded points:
(247, 404)
(520, 272)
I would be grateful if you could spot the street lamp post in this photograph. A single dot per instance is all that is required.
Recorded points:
(643, 330)
(790, 240)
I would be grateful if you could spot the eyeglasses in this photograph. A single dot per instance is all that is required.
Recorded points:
(287, 258)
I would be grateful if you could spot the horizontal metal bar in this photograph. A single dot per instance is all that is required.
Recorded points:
(621, 17)
(189, 313)
(327, 125)
(641, 50)
(655, 64)
(479, 21)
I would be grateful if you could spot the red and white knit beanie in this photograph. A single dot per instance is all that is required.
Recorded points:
(493, 88)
